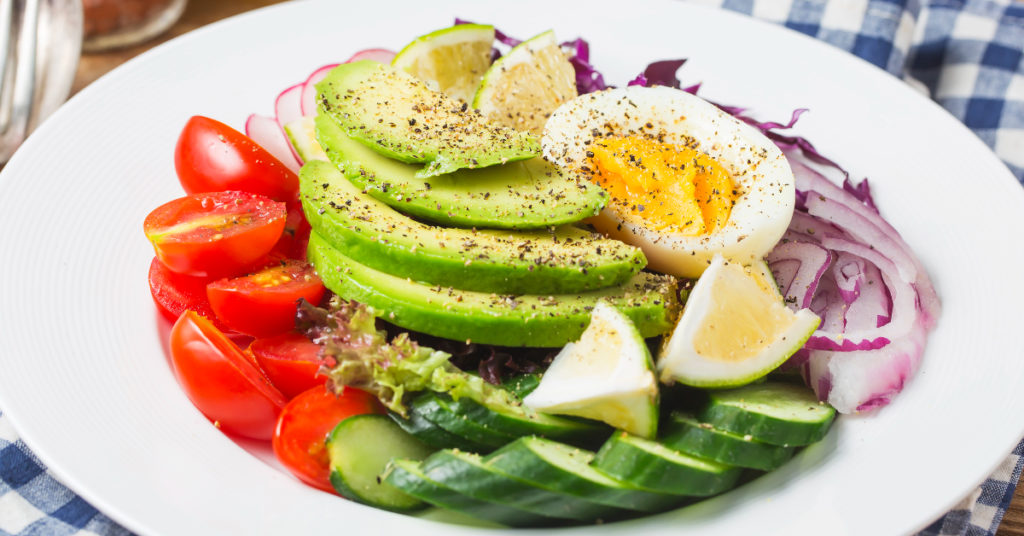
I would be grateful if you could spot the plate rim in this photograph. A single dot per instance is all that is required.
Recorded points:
(126, 520)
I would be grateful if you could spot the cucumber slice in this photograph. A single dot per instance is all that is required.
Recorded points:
(302, 135)
(775, 413)
(433, 435)
(407, 476)
(468, 474)
(702, 440)
(556, 466)
(650, 465)
(360, 448)
(437, 409)
(521, 385)
(521, 421)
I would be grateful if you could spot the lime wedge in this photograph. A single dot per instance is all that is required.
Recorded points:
(608, 375)
(734, 329)
(450, 60)
(524, 86)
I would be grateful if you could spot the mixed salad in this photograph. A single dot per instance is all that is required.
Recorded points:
(474, 276)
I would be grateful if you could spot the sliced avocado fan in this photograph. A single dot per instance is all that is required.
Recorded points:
(531, 194)
(400, 117)
(555, 261)
(649, 300)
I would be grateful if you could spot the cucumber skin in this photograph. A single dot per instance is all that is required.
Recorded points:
(340, 484)
(433, 435)
(690, 438)
(517, 459)
(368, 245)
(487, 484)
(505, 328)
(569, 431)
(625, 462)
(763, 428)
(427, 490)
(436, 409)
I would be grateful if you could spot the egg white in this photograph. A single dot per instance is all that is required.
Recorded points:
(758, 168)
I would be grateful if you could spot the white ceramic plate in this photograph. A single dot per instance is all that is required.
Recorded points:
(83, 372)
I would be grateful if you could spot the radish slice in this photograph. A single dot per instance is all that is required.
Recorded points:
(288, 105)
(308, 99)
(268, 134)
(381, 55)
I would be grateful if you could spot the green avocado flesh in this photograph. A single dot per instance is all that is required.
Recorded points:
(566, 259)
(649, 300)
(400, 117)
(518, 195)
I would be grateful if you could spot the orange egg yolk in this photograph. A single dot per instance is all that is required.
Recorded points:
(667, 187)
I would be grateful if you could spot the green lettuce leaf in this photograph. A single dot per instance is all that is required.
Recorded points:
(360, 355)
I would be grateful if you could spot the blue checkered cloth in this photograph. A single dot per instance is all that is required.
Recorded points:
(965, 54)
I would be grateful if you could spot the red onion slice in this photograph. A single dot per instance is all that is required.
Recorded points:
(853, 221)
(800, 265)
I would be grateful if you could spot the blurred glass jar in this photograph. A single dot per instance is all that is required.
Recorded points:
(120, 23)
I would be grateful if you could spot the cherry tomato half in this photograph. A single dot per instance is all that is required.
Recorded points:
(176, 293)
(301, 435)
(217, 234)
(220, 381)
(295, 237)
(291, 362)
(213, 157)
(264, 304)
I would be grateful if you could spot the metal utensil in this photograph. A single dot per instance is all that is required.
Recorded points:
(40, 41)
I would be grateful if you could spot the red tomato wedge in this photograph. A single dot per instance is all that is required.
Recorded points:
(221, 382)
(217, 234)
(264, 304)
(290, 361)
(176, 293)
(301, 435)
(213, 157)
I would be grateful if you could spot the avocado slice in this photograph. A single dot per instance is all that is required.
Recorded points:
(649, 300)
(400, 117)
(564, 259)
(519, 195)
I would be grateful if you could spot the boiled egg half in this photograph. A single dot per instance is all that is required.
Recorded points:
(686, 180)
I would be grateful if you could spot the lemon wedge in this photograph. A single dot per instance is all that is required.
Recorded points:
(451, 60)
(523, 87)
(607, 375)
(734, 329)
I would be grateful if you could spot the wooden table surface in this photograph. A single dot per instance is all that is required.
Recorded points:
(202, 12)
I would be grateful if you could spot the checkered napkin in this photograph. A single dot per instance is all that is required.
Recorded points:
(965, 54)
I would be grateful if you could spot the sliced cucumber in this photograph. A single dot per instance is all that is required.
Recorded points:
(433, 435)
(521, 421)
(407, 476)
(775, 413)
(702, 440)
(437, 409)
(566, 469)
(302, 135)
(469, 475)
(360, 448)
(522, 384)
(650, 465)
